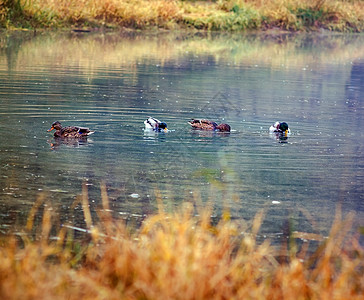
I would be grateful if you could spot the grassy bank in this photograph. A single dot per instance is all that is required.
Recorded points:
(227, 15)
(179, 255)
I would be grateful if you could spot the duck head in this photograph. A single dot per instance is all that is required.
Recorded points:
(283, 127)
(223, 128)
(56, 125)
(162, 126)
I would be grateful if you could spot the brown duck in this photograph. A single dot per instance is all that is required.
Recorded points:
(209, 125)
(70, 131)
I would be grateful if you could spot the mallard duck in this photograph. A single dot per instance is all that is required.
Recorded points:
(209, 125)
(69, 131)
(280, 127)
(155, 125)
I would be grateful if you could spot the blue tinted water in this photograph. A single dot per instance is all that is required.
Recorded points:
(112, 83)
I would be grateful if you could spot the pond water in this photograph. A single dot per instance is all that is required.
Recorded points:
(111, 82)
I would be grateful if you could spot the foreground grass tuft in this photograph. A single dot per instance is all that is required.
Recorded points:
(177, 255)
(226, 15)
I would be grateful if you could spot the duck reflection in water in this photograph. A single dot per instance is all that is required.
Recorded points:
(57, 142)
(209, 134)
(154, 135)
(280, 137)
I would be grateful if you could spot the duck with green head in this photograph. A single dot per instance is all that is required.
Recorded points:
(280, 127)
(155, 125)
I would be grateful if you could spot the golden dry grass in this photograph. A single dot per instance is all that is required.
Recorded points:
(177, 255)
(227, 15)
(130, 13)
(306, 15)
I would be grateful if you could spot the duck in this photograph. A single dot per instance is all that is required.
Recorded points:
(209, 125)
(69, 131)
(155, 125)
(280, 127)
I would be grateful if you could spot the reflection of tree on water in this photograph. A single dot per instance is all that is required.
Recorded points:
(11, 45)
(354, 90)
(351, 177)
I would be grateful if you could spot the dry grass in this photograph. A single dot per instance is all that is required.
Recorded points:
(110, 13)
(175, 256)
(306, 15)
(227, 15)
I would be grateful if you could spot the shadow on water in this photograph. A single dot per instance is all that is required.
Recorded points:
(112, 82)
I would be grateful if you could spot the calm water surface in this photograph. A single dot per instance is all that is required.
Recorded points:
(112, 82)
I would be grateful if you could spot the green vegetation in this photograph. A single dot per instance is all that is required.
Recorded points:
(179, 255)
(227, 15)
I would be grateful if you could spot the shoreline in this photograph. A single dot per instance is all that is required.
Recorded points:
(177, 15)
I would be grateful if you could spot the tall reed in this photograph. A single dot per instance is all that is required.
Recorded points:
(178, 255)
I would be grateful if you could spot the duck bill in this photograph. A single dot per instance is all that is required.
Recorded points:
(286, 133)
(50, 129)
(165, 129)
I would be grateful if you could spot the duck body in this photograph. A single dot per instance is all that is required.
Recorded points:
(280, 127)
(155, 125)
(209, 125)
(70, 131)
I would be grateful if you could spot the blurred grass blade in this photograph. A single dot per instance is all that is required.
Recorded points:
(85, 206)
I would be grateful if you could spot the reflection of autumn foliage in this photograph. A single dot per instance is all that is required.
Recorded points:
(172, 50)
